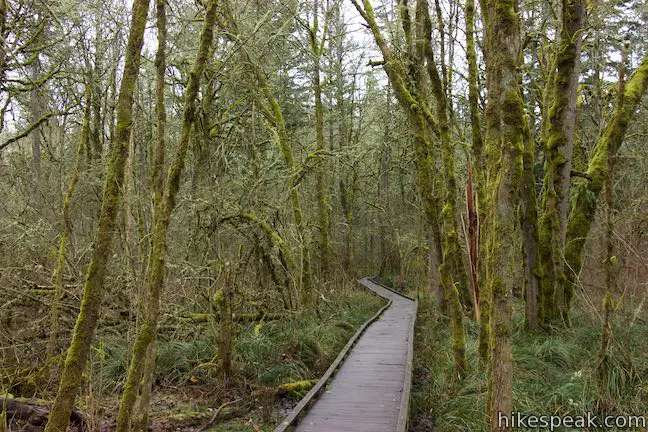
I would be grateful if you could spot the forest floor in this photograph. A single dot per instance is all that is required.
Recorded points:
(188, 391)
(554, 374)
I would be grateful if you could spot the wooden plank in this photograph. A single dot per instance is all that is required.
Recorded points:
(371, 389)
(307, 400)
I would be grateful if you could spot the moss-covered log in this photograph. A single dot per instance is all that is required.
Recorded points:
(77, 354)
(34, 412)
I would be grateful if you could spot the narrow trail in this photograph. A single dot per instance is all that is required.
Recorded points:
(367, 388)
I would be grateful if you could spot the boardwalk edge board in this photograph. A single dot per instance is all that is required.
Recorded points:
(374, 279)
(403, 418)
(292, 419)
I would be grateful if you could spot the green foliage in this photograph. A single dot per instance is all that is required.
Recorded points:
(278, 352)
(304, 346)
(554, 374)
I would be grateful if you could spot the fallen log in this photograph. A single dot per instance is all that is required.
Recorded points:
(244, 317)
(35, 413)
(283, 389)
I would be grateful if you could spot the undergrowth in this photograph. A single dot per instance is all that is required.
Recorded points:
(303, 346)
(298, 347)
(553, 374)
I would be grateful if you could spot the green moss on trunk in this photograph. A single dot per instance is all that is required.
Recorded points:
(161, 223)
(559, 146)
(583, 198)
(506, 134)
(77, 354)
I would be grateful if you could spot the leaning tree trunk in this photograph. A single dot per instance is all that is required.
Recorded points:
(506, 129)
(584, 196)
(161, 223)
(86, 323)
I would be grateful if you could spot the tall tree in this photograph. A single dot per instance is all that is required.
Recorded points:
(558, 161)
(317, 45)
(506, 130)
(157, 193)
(161, 223)
(86, 323)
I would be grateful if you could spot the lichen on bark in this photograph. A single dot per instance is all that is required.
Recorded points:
(162, 220)
(86, 322)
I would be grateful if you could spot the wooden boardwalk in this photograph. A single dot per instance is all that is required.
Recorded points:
(370, 390)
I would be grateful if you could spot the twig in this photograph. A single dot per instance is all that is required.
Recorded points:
(218, 411)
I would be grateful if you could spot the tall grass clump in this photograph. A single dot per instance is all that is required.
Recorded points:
(554, 373)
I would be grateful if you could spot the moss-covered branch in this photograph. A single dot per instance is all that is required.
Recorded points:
(583, 198)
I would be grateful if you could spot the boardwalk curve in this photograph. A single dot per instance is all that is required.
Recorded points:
(367, 388)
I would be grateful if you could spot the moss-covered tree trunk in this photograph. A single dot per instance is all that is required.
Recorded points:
(86, 323)
(558, 162)
(161, 223)
(452, 254)
(317, 49)
(140, 424)
(583, 199)
(506, 130)
(66, 227)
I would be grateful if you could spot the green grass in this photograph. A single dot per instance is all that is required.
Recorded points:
(303, 346)
(553, 374)
(298, 347)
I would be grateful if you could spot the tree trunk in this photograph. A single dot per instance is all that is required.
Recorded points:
(559, 150)
(317, 49)
(452, 253)
(506, 130)
(161, 223)
(77, 354)
(529, 225)
(157, 189)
